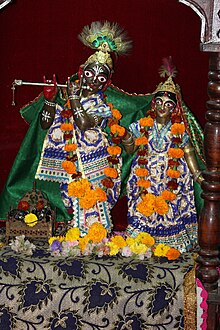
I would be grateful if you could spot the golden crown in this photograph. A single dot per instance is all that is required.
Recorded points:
(167, 86)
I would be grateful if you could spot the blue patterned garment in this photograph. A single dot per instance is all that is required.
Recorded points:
(178, 227)
(92, 160)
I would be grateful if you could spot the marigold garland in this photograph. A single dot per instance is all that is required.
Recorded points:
(81, 188)
(150, 203)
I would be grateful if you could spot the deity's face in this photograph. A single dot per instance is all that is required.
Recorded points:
(95, 77)
(164, 106)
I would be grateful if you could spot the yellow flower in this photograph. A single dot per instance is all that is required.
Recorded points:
(83, 241)
(138, 248)
(161, 250)
(119, 241)
(97, 232)
(145, 238)
(114, 249)
(56, 238)
(72, 234)
(51, 239)
(30, 219)
(130, 241)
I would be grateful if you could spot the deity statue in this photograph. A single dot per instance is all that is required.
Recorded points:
(160, 189)
(70, 148)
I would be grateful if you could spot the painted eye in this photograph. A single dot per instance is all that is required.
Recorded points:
(102, 79)
(88, 74)
(159, 102)
(169, 105)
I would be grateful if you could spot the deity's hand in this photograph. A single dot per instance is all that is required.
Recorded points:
(73, 90)
(50, 92)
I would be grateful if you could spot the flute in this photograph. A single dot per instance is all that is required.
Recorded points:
(19, 82)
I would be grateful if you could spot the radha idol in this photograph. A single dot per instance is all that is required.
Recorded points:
(160, 188)
(68, 153)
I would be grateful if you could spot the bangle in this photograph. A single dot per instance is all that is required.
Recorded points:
(51, 104)
(128, 140)
(73, 97)
(128, 144)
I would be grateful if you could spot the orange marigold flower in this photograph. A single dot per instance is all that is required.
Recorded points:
(173, 173)
(177, 129)
(143, 140)
(141, 171)
(66, 127)
(161, 206)
(175, 152)
(70, 147)
(69, 167)
(119, 241)
(117, 129)
(114, 150)
(146, 121)
(172, 254)
(145, 238)
(168, 195)
(143, 183)
(110, 106)
(116, 114)
(100, 194)
(149, 199)
(78, 188)
(145, 208)
(88, 200)
(97, 232)
(111, 172)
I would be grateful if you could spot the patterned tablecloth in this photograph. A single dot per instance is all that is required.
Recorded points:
(90, 293)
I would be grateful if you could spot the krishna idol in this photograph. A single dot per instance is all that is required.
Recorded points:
(70, 156)
(160, 188)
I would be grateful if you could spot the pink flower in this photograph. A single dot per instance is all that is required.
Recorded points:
(126, 251)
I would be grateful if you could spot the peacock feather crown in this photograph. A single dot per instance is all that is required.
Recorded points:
(106, 38)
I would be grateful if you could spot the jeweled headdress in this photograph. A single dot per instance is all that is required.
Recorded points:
(105, 37)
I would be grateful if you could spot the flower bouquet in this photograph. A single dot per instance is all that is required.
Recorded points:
(96, 242)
